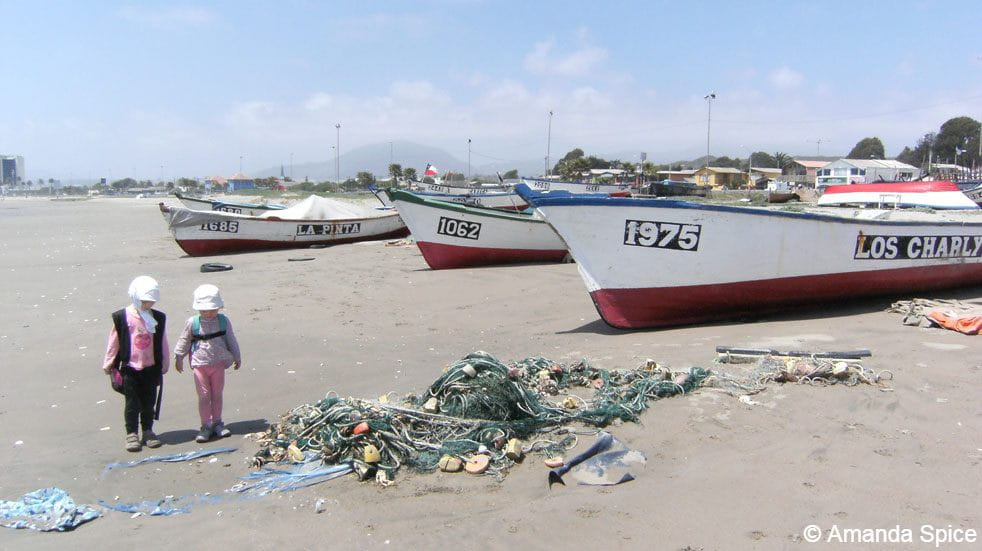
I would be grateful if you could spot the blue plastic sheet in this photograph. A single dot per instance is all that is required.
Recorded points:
(47, 509)
(172, 458)
(265, 481)
(607, 462)
(162, 507)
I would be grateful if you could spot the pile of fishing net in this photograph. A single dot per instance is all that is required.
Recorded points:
(478, 405)
(793, 367)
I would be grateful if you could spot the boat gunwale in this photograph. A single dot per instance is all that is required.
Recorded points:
(168, 209)
(476, 210)
(538, 202)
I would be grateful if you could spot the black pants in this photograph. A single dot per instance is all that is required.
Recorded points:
(140, 391)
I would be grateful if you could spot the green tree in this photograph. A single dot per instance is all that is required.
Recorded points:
(725, 161)
(364, 179)
(395, 172)
(409, 173)
(867, 148)
(575, 153)
(961, 133)
(782, 160)
(511, 174)
(573, 168)
(762, 159)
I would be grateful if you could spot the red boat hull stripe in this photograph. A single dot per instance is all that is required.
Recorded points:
(669, 306)
(210, 247)
(440, 256)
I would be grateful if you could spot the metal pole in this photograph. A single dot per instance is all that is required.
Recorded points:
(390, 154)
(548, 170)
(337, 155)
(291, 166)
(709, 120)
(468, 161)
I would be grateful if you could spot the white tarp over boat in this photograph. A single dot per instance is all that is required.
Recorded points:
(320, 208)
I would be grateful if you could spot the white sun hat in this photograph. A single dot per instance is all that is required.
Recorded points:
(207, 297)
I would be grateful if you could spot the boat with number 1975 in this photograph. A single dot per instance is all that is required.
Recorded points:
(658, 263)
(313, 221)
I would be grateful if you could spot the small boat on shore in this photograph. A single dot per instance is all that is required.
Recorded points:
(676, 188)
(542, 184)
(313, 221)
(505, 200)
(248, 209)
(661, 262)
(453, 235)
(931, 194)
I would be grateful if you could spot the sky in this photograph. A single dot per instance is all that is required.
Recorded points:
(193, 89)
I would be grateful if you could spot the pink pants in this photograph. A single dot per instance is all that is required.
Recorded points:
(209, 381)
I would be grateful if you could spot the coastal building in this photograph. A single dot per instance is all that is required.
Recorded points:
(803, 171)
(240, 181)
(718, 177)
(762, 175)
(678, 175)
(11, 170)
(863, 171)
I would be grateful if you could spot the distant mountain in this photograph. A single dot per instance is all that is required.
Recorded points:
(375, 158)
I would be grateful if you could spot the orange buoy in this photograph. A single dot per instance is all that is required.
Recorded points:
(554, 462)
(477, 464)
(361, 428)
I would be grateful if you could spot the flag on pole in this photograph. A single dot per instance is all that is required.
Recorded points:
(430, 170)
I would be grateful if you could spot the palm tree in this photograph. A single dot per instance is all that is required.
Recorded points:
(782, 160)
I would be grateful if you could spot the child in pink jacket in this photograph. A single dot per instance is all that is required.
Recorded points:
(210, 342)
(138, 348)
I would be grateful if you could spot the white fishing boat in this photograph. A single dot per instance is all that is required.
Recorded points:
(506, 200)
(542, 184)
(452, 235)
(248, 209)
(313, 221)
(659, 262)
(931, 194)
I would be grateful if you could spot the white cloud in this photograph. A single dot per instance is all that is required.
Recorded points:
(786, 78)
(318, 102)
(542, 60)
(505, 94)
(168, 17)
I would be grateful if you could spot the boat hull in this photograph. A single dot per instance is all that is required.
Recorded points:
(201, 233)
(539, 184)
(505, 200)
(932, 194)
(657, 263)
(457, 236)
(234, 208)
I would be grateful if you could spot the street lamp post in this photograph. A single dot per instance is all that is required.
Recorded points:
(709, 119)
(291, 166)
(391, 161)
(750, 167)
(468, 161)
(240, 164)
(337, 155)
(548, 170)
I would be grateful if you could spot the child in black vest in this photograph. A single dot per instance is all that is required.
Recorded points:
(210, 342)
(138, 348)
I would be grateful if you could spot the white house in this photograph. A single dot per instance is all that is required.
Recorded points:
(863, 171)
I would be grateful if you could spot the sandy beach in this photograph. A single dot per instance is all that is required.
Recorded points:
(365, 319)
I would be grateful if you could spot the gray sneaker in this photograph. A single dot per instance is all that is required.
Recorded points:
(221, 431)
(204, 435)
(150, 439)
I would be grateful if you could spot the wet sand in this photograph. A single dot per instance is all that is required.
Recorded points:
(365, 319)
